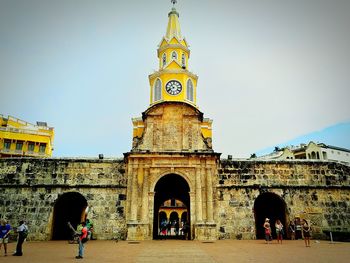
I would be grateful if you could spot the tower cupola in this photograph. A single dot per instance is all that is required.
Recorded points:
(173, 81)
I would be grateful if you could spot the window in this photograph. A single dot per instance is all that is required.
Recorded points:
(324, 155)
(174, 55)
(42, 147)
(19, 145)
(31, 147)
(7, 144)
(183, 60)
(189, 90)
(173, 203)
(164, 60)
(157, 95)
(313, 155)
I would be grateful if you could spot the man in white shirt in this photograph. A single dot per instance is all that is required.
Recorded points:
(22, 231)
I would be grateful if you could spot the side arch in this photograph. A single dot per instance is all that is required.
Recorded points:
(69, 207)
(272, 206)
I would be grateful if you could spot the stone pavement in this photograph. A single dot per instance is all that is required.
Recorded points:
(179, 251)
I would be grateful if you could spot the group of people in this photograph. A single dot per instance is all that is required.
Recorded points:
(166, 227)
(293, 229)
(5, 230)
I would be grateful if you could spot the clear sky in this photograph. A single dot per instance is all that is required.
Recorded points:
(269, 71)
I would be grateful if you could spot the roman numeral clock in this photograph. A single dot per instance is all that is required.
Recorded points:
(173, 87)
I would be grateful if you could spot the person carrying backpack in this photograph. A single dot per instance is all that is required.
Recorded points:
(22, 232)
(83, 238)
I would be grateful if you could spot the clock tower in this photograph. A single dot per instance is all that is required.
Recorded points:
(172, 160)
(173, 81)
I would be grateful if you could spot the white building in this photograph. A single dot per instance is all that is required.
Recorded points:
(311, 151)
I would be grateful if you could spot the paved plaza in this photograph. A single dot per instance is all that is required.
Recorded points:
(183, 252)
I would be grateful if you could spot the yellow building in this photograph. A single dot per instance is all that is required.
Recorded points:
(19, 138)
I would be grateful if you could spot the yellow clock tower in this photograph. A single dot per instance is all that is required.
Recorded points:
(171, 160)
(173, 81)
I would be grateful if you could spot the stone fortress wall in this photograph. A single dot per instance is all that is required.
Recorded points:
(318, 191)
(31, 187)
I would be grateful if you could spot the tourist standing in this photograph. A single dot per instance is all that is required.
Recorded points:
(22, 232)
(90, 227)
(279, 231)
(177, 227)
(83, 237)
(306, 233)
(292, 230)
(297, 228)
(186, 230)
(5, 229)
(267, 229)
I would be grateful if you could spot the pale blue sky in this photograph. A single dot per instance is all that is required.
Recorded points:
(269, 71)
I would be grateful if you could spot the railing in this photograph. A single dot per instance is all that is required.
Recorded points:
(25, 131)
(22, 153)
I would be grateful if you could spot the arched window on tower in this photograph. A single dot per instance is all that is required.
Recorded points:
(183, 60)
(164, 60)
(157, 92)
(174, 55)
(190, 90)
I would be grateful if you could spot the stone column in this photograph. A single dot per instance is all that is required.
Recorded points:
(134, 199)
(198, 196)
(129, 190)
(192, 214)
(210, 210)
(151, 211)
(145, 190)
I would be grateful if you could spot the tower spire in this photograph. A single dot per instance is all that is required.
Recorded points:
(173, 29)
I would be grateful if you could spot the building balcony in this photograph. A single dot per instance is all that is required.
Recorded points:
(24, 131)
(11, 152)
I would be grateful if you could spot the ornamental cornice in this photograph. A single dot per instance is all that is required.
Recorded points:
(169, 46)
(172, 71)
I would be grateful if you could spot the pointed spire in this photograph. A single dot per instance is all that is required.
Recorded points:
(173, 29)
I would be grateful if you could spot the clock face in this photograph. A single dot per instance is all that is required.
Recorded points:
(173, 87)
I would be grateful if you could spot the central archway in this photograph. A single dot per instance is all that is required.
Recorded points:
(69, 207)
(170, 187)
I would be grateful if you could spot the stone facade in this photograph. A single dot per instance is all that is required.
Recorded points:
(146, 169)
(318, 191)
(172, 145)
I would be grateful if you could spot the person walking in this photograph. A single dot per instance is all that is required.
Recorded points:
(279, 231)
(83, 237)
(306, 232)
(267, 229)
(22, 232)
(5, 229)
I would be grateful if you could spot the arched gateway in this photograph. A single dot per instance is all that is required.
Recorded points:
(171, 195)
